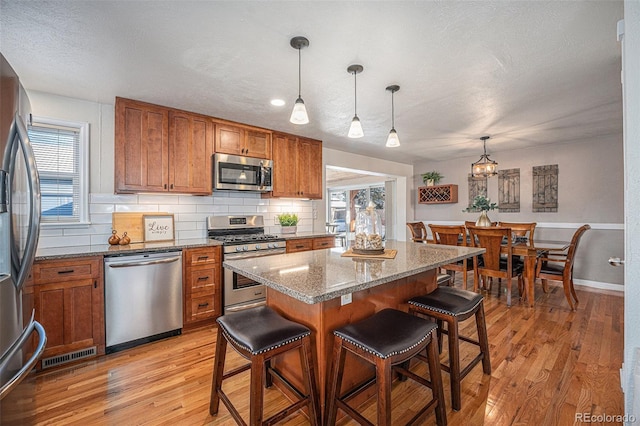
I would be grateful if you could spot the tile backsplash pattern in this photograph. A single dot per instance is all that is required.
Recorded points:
(190, 213)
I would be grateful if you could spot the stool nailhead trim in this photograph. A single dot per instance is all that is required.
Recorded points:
(267, 349)
(376, 353)
(444, 311)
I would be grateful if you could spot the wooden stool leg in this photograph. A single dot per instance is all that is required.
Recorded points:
(335, 380)
(454, 363)
(256, 392)
(218, 372)
(483, 339)
(383, 382)
(306, 359)
(435, 374)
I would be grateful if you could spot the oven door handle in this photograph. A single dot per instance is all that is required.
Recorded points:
(236, 256)
(247, 306)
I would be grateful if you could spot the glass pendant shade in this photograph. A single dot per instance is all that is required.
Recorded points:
(393, 140)
(485, 166)
(355, 130)
(299, 113)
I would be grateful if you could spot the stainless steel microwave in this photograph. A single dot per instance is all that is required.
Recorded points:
(242, 173)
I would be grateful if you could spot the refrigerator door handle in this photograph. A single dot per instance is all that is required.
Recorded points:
(20, 375)
(34, 187)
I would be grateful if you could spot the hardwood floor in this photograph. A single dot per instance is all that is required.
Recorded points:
(548, 364)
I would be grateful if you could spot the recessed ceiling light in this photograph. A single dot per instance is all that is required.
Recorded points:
(277, 102)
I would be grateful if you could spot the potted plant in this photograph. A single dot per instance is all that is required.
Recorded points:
(481, 204)
(288, 222)
(432, 178)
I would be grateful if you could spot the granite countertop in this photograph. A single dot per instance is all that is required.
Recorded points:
(108, 250)
(320, 275)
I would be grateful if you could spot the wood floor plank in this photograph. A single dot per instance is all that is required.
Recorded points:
(548, 364)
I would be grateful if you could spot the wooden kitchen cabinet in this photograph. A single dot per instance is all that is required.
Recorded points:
(141, 147)
(68, 297)
(306, 244)
(190, 151)
(202, 269)
(159, 149)
(297, 167)
(245, 141)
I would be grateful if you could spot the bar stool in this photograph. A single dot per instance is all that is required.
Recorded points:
(453, 305)
(385, 339)
(259, 334)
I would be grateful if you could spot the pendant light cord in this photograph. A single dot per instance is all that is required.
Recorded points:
(299, 73)
(393, 112)
(355, 94)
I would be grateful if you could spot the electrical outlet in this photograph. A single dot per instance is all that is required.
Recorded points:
(315, 214)
(345, 299)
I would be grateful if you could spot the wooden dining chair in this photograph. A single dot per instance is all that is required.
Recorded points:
(520, 229)
(418, 232)
(558, 266)
(468, 223)
(491, 264)
(453, 235)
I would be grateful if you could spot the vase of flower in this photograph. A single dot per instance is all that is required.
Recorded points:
(483, 205)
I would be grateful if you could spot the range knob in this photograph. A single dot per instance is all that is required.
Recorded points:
(245, 248)
(238, 248)
(258, 246)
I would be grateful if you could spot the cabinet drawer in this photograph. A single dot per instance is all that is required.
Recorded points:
(64, 270)
(202, 307)
(202, 256)
(324, 242)
(202, 279)
(299, 245)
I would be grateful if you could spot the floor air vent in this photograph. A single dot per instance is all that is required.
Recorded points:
(68, 357)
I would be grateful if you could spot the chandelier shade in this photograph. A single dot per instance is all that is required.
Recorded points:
(485, 166)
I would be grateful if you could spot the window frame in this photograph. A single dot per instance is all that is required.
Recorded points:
(83, 171)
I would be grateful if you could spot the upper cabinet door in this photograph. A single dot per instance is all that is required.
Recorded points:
(229, 139)
(284, 166)
(258, 144)
(141, 147)
(309, 168)
(190, 151)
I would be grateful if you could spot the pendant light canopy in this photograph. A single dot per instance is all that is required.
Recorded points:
(299, 113)
(355, 131)
(484, 167)
(393, 140)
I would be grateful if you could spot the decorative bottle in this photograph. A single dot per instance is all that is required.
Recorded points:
(368, 238)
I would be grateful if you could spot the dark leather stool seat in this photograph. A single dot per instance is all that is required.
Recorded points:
(452, 305)
(259, 334)
(387, 339)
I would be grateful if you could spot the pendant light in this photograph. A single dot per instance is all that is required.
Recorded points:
(484, 167)
(299, 113)
(355, 130)
(393, 140)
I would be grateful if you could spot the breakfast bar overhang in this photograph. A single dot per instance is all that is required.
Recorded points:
(325, 290)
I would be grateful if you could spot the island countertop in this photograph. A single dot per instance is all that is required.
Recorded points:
(320, 275)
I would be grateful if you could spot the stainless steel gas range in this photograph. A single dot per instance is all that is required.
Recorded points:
(243, 237)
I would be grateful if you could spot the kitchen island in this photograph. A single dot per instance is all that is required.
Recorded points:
(324, 291)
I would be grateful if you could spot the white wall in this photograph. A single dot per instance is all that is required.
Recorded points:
(190, 212)
(590, 190)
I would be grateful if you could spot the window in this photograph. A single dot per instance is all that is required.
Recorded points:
(61, 151)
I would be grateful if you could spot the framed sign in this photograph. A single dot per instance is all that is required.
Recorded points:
(158, 228)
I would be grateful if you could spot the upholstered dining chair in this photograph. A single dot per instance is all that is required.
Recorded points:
(418, 232)
(558, 266)
(491, 263)
(453, 235)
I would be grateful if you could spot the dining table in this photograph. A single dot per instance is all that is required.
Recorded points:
(530, 253)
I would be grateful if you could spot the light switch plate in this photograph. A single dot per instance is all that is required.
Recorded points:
(345, 299)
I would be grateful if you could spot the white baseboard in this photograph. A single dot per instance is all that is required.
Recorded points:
(599, 285)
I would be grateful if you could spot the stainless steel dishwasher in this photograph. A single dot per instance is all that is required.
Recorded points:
(143, 298)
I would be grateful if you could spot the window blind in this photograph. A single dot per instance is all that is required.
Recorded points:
(57, 149)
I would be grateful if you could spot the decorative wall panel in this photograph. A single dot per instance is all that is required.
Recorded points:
(545, 188)
(477, 186)
(509, 191)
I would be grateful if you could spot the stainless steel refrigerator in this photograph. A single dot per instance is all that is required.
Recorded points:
(19, 229)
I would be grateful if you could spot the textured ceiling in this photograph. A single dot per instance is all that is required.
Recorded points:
(525, 72)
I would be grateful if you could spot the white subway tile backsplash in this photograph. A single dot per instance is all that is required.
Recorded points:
(190, 214)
